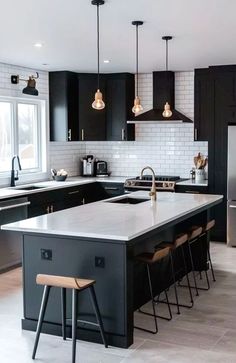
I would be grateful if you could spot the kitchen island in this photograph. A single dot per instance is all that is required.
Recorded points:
(99, 241)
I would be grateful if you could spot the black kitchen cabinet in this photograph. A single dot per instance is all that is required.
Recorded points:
(63, 100)
(191, 189)
(215, 109)
(92, 123)
(46, 202)
(119, 103)
(72, 117)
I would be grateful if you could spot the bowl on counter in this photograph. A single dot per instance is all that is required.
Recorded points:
(60, 177)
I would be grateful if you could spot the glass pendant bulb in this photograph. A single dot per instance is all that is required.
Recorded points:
(137, 105)
(98, 103)
(167, 112)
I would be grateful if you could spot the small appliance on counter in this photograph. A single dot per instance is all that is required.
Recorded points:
(88, 165)
(101, 168)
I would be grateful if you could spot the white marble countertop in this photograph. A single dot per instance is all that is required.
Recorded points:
(191, 182)
(123, 222)
(9, 192)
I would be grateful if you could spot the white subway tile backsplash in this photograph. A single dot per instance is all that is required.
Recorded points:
(168, 148)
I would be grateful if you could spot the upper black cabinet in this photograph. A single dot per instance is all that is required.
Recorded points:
(72, 117)
(203, 105)
(92, 123)
(119, 103)
(63, 92)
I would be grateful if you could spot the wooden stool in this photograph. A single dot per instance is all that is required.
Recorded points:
(179, 242)
(149, 259)
(76, 285)
(206, 228)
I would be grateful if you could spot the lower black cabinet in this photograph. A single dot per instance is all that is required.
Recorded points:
(191, 189)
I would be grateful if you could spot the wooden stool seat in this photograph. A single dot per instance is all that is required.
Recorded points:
(179, 241)
(208, 226)
(194, 232)
(151, 258)
(64, 282)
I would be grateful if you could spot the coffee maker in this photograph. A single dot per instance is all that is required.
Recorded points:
(88, 163)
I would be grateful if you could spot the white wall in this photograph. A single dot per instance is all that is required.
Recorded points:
(168, 148)
(15, 90)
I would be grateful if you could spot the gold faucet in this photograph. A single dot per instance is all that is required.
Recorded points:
(153, 192)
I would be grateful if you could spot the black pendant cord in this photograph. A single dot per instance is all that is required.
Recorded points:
(167, 54)
(98, 45)
(136, 60)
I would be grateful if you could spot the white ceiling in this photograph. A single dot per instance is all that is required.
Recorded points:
(204, 34)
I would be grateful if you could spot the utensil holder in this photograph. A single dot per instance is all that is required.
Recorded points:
(200, 175)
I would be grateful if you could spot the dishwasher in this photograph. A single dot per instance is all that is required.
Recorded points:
(11, 210)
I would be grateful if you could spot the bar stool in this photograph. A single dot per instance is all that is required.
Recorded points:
(76, 285)
(206, 228)
(150, 259)
(178, 243)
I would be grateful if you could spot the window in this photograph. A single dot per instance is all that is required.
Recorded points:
(22, 133)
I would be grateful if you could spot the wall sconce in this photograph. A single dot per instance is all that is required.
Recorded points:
(30, 89)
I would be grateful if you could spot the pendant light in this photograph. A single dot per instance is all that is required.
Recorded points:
(167, 111)
(137, 103)
(98, 103)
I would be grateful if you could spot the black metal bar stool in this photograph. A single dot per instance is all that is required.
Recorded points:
(193, 236)
(206, 228)
(178, 243)
(76, 285)
(149, 259)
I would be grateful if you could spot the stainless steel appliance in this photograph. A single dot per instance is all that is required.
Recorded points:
(162, 182)
(88, 163)
(11, 210)
(101, 168)
(231, 187)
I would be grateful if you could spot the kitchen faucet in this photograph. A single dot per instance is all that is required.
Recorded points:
(153, 192)
(14, 173)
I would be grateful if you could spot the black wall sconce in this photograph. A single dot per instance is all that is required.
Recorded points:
(30, 89)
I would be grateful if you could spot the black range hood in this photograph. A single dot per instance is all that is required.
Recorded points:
(163, 91)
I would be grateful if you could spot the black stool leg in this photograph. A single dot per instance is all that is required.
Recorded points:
(173, 277)
(41, 317)
(74, 322)
(193, 268)
(63, 312)
(97, 313)
(168, 304)
(186, 273)
(212, 270)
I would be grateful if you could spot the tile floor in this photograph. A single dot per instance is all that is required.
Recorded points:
(204, 334)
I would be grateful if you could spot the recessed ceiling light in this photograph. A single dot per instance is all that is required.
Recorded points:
(106, 61)
(38, 45)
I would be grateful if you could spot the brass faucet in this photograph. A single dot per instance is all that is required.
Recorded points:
(153, 192)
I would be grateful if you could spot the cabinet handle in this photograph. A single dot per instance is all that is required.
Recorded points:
(69, 134)
(232, 206)
(74, 192)
(82, 134)
(83, 201)
(123, 134)
(48, 209)
(52, 209)
(195, 134)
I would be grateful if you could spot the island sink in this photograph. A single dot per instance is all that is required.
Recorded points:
(128, 200)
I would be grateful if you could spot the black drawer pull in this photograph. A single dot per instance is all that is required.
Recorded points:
(74, 192)
(111, 188)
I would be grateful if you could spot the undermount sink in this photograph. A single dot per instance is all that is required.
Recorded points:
(128, 200)
(31, 187)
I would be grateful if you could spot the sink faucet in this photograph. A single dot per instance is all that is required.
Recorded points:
(153, 192)
(14, 172)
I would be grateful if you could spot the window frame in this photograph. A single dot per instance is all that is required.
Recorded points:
(42, 138)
